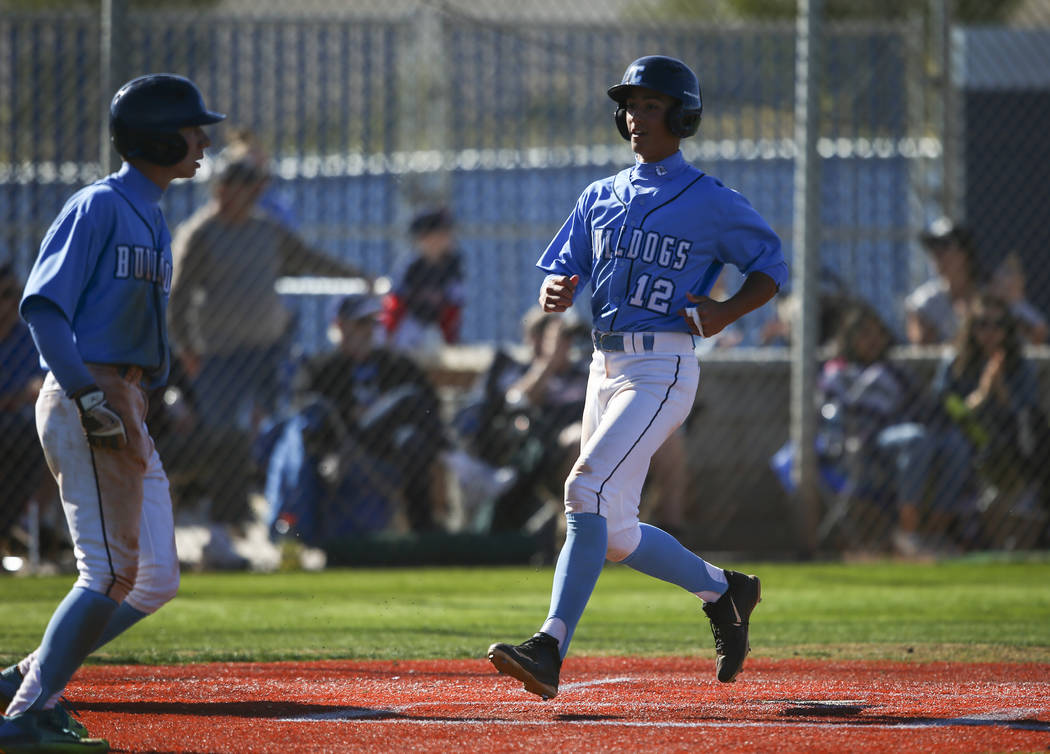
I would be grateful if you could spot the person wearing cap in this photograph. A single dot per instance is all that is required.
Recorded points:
(518, 430)
(424, 307)
(230, 328)
(386, 413)
(934, 309)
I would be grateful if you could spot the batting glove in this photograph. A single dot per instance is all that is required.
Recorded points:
(102, 425)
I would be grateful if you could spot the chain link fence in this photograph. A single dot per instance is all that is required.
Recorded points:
(406, 162)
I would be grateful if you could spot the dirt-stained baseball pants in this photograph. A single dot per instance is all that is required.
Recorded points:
(117, 502)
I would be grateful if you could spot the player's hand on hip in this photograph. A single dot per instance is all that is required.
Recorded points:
(705, 317)
(102, 424)
(557, 292)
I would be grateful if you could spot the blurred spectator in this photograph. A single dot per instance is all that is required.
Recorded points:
(522, 424)
(934, 309)
(880, 434)
(21, 458)
(210, 470)
(228, 324)
(990, 391)
(363, 441)
(242, 142)
(884, 458)
(423, 309)
(1009, 283)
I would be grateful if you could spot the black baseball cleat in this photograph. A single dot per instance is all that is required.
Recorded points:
(536, 662)
(729, 616)
(38, 731)
(62, 714)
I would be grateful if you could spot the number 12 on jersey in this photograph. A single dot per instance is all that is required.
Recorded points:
(656, 297)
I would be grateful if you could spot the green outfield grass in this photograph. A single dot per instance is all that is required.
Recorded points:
(966, 609)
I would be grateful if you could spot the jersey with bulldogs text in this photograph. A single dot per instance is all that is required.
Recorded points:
(106, 263)
(652, 233)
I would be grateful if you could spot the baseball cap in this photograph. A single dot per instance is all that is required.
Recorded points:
(356, 306)
(430, 220)
(942, 232)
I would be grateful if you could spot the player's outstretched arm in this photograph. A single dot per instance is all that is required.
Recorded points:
(557, 292)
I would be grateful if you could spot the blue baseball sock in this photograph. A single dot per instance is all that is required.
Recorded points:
(662, 556)
(579, 566)
(74, 628)
(123, 618)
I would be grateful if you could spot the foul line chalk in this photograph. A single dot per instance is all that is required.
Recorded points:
(385, 717)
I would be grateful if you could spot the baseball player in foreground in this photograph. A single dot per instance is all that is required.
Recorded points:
(95, 303)
(651, 240)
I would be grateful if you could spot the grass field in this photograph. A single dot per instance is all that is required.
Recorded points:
(978, 608)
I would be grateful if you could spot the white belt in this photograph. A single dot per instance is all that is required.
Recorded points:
(642, 342)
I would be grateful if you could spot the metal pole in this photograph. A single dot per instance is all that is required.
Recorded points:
(33, 516)
(806, 241)
(114, 13)
(951, 114)
(422, 82)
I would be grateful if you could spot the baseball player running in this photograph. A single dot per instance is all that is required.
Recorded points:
(95, 303)
(651, 240)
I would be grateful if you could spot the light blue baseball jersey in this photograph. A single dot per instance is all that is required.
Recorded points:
(652, 233)
(106, 263)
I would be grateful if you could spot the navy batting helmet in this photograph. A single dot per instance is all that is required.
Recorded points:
(147, 112)
(668, 76)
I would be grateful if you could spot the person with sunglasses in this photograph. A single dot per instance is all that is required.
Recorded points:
(990, 390)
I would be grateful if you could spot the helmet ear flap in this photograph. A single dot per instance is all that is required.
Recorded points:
(158, 148)
(165, 149)
(621, 122)
(690, 124)
(679, 122)
(682, 123)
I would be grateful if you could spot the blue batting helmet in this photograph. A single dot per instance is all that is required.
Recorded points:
(668, 76)
(147, 112)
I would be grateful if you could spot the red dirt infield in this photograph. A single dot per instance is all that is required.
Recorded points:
(605, 704)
